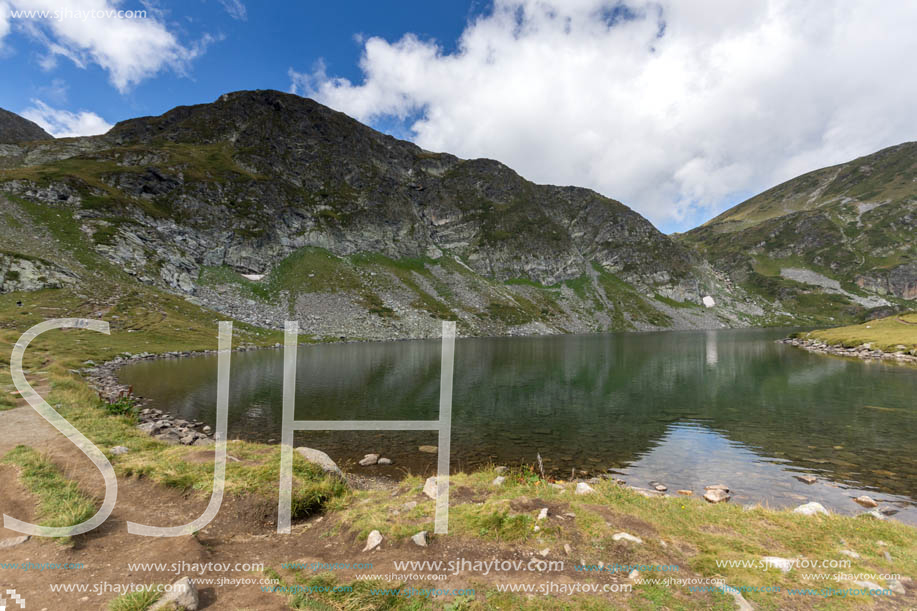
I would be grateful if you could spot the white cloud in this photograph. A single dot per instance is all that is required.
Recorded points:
(236, 9)
(63, 123)
(731, 98)
(93, 32)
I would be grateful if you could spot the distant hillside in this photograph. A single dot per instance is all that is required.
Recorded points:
(15, 129)
(840, 240)
(356, 233)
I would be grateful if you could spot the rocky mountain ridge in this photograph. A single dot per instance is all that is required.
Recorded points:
(264, 206)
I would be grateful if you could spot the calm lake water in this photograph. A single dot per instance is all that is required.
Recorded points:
(686, 409)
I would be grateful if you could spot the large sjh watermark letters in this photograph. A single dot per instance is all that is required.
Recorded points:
(290, 425)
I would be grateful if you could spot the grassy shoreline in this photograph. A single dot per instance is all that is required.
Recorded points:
(681, 530)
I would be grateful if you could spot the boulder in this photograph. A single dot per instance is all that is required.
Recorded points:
(429, 487)
(420, 538)
(584, 488)
(811, 509)
(373, 541)
(319, 458)
(182, 595)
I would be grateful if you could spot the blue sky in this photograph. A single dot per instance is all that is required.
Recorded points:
(678, 109)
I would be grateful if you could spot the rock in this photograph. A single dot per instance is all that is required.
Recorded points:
(868, 585)
(584, 488)
(188, 440)
(204, 441)
(722, 487)
(873, 514)
(811, 509)
(806, 479)
(627, 537)
(409, 506)
(13, 541)
(119, 450)
(567, 549)
(170, 437)
(865, 501)
(542, 515)
(716, 495)
(544, 553)
(498, 481)
(686, 492)
(385, 461)
(373, 541)
(420, 538)
(183, 595)
(429, 449)
(887, 511)
(501, 470)
(895, 586)
(147, 427)
(784, 564)
(741, 603)
(850, 554)
(634, 575)
(319, 458)
(207, 430)
(369, 459)
(660, 488)
(556, 486)
(429, 487)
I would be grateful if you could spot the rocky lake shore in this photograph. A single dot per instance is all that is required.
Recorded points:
(863, 351)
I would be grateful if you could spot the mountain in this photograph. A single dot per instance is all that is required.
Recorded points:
(14, 129)
(837, 243)
(266, 206)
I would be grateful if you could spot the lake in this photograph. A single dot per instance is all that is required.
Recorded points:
(686, 408)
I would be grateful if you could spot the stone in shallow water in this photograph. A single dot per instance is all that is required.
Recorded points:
(369, 459)
(716, 496)
(866, 501)
(806, 479)
(686, 492)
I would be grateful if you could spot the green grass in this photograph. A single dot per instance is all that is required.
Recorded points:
(888, 334)
(61, 503)
(134, 601)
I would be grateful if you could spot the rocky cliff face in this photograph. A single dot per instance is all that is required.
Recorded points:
(346, 223)
(14, 128)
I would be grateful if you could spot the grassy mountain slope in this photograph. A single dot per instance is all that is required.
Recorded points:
(835, 244)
